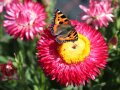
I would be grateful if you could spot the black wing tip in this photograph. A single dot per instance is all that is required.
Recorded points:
(57, 10)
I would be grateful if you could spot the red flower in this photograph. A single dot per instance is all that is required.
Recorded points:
(8, 70)
(73, 62)
(113, 41)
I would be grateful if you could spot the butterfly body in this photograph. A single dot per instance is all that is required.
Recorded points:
(62, 28)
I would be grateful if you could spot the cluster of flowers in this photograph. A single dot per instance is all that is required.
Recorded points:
(26, 19)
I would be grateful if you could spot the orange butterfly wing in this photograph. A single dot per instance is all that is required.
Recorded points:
(72, 36)
(59, 19)
(62, 28)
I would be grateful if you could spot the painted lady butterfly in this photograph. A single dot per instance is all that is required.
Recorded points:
(62, 28)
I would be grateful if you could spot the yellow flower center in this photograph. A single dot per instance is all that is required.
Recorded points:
(74, 52)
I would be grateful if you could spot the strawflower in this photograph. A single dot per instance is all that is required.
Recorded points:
(73, 63)
(25, 20)
(99, 13)
(8, 71)
(113, 42)
(4, 3)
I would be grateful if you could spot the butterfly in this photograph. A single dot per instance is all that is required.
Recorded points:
(62, 28)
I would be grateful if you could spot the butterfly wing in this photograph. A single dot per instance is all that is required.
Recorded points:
(59, 19)
(62, 28)
(70, 36)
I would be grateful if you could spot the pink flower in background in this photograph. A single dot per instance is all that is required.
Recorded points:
(98, 14)
(4, 3)
(73, 63)
(25, 20)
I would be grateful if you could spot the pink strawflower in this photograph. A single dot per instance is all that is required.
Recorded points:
(73, 63)
(25, 20)
(4, 3)
(99, 13)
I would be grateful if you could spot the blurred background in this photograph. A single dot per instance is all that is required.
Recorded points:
(24, 57)
(71, 7)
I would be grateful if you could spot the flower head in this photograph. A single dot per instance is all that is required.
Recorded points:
(99, 13)
(4, 3)
(8, 70)
(113, 42)
(73, 62)
(25, 20)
